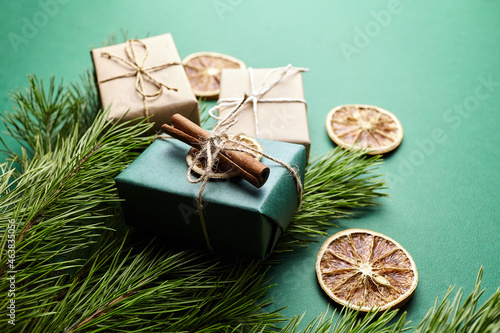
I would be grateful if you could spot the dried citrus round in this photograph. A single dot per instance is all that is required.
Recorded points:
(200, 167)
(203, 70)
(366, 270)
(364, 126)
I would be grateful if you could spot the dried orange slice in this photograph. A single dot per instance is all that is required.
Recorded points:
(364, 126)
(203, 70)
(199, 167)
(365, 270)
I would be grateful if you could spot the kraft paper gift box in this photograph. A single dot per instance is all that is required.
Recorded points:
(281, 121)
(240, 219)
(117, 80)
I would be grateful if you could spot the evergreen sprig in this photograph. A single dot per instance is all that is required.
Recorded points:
(336, 184)
(463, 317)
(76, 272)
(350, 321)
(79, 269)
(445, 316)
(48, 114)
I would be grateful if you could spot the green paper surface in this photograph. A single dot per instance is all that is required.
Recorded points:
(241, 219)
(424, 62)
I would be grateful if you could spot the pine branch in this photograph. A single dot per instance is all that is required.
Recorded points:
(336, 185)
(169, 293)
(111, 285)
(48, 114)
(83, 100)
(206, 121)
(350, 321)
(443, 317)
(75, 274)
(58, 212)
(113, 38)
(37, 111)
(457, 317)
(68, 249)
(79, 269)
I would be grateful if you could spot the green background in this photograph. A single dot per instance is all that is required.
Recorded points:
(427, 62)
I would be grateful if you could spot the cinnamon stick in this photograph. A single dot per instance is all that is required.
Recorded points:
(188, 132)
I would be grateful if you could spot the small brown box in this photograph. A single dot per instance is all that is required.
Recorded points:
(117, 80)
(280, 121)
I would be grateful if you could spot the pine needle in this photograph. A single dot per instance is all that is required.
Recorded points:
(47, 114)
(78, 268)
(458, 317)
(336, 185)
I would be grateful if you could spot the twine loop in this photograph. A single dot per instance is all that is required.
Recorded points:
(138, 70)
(218, 143)
(257, 94)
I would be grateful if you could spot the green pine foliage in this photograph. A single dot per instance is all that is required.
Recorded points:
(78, 268)
(463, 317)
(455, 316)
(336, 185)
(48, 114)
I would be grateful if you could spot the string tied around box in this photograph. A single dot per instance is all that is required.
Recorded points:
(141, 73)
(257, 94)
(219, 151)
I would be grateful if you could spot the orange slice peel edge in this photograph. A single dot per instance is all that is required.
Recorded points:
(203, 70)
(365, 270)
(369, 127)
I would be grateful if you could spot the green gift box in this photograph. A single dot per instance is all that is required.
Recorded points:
(240, 219)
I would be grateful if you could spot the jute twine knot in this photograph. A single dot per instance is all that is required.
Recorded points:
(257, 94)
(208, 156)
(138, 70)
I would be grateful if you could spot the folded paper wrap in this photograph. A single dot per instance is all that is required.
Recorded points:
(280, 112)
(241, 219)
(144, 78)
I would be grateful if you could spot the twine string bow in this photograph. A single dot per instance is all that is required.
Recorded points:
(138, 70)
(257, 94)
(218, 143)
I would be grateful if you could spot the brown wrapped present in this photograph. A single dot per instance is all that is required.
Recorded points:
(275, 109)
(146, 78)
